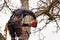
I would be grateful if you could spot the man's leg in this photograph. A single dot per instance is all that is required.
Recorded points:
(12, 38)
(11, 32)
(18, 33)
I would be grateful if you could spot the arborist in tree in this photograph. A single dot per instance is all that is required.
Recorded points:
(15, 22)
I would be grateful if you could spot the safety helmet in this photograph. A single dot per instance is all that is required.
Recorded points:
(34, 23)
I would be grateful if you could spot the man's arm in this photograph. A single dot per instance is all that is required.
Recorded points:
(28, 12)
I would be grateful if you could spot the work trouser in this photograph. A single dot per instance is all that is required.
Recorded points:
(14, 31)
(24, 35)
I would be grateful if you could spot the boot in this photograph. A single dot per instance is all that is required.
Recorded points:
(13, 38)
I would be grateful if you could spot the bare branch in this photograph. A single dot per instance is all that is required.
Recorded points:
(58, 28)
(2, 6)
(42, 28)
(48, 8)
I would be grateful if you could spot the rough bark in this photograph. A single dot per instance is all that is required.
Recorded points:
(25, 5)
(1, 37)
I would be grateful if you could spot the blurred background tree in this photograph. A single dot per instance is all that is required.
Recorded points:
(48, 9)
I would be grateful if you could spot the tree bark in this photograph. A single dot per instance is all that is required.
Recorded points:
(25, 5)
(1, 37)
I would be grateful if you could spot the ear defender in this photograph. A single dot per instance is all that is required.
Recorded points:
(34, 23)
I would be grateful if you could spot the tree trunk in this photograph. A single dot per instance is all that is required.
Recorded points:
(1, 37)
(25, 5)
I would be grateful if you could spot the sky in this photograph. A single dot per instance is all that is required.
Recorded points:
(47, 33)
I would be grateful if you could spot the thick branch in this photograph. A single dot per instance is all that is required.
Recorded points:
(47, 10)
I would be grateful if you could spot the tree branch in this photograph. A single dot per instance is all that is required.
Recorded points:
(47, 10)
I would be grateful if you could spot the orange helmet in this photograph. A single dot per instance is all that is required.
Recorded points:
(34, 23)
